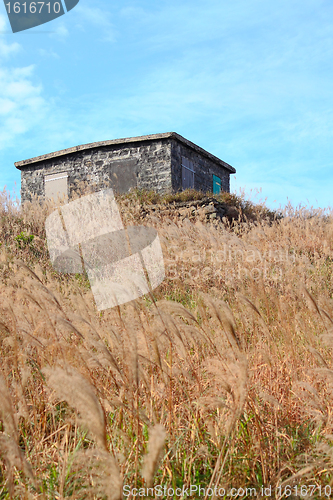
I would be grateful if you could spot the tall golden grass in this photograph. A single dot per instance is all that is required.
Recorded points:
(222, 377)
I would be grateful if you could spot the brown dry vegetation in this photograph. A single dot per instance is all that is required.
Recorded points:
(223, 377)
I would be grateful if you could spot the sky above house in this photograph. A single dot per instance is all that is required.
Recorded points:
(249, 81)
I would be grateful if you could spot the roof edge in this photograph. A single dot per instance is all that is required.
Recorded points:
(94, 145)
(192, 145)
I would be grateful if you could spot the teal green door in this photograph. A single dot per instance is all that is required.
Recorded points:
(216, 185)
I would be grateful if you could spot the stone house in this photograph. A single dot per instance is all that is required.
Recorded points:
(161, 162)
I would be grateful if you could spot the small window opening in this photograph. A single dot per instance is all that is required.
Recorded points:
(187, 174)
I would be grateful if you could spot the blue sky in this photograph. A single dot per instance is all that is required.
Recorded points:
(251, 82)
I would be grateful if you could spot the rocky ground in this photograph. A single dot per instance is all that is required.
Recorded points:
(206, 209)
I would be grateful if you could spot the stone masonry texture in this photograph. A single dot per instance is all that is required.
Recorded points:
(149, 162)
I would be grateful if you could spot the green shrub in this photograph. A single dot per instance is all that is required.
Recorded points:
(23, 239)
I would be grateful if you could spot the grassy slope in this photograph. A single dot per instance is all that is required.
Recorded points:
(227, 369)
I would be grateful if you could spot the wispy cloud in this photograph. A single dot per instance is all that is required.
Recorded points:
(60, 32)
(95, 16)
(48, 53)
(6, 49)
(20, 97)
(22, 105)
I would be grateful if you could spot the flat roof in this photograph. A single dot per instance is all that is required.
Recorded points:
(95, 145)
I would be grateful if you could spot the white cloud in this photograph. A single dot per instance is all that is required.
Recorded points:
(98, 17)
(60, 32)
(6, 49)
(21, 106)
(3, 23)
(48, 53)
(21, 102)
(6, 106)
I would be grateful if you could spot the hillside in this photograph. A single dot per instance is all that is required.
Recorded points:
(222, 378)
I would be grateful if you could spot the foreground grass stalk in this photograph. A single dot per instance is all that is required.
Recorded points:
(221, 377)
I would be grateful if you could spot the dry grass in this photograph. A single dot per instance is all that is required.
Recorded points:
(223, 377)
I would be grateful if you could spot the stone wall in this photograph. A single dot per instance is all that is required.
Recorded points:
(143, 165)
(204, 169)
(148, 162)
